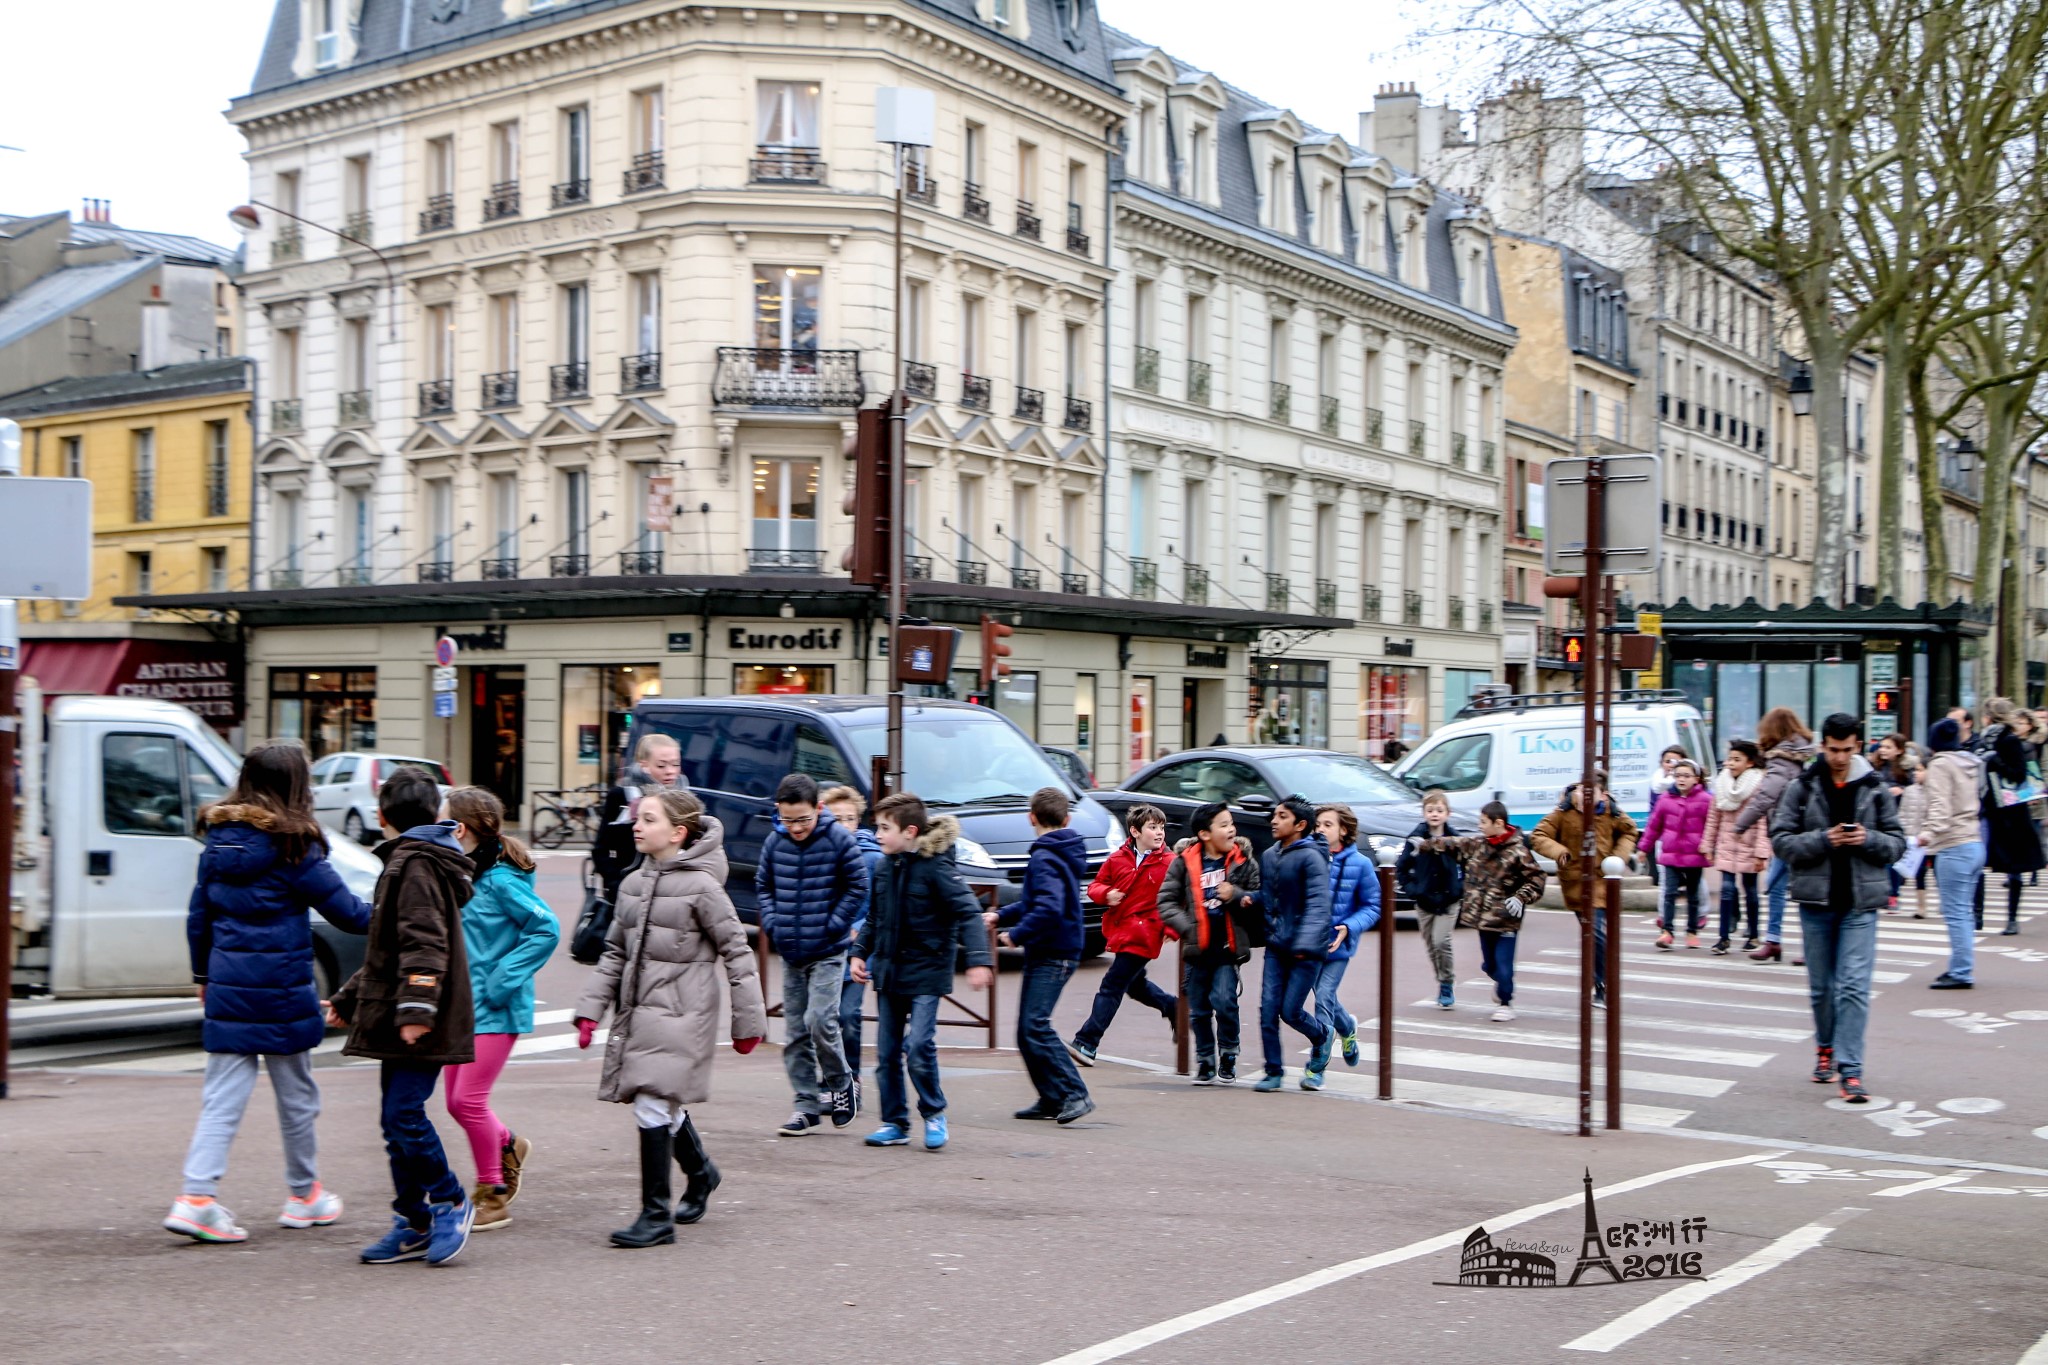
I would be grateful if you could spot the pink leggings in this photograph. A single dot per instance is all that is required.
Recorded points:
(469, 1104)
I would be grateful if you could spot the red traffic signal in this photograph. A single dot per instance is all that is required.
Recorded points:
(1884, 701)
(1574, 650)
(866, 559)
(994, 651)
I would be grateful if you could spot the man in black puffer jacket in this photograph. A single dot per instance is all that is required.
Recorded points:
(812, 884)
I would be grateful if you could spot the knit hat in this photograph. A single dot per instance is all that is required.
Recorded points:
(1945, 736)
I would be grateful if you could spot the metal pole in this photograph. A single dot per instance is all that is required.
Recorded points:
(896, 537)
(10, 641)
(1180, 1009)
(1613, 911)
(1589, 859)
(1386, 1040)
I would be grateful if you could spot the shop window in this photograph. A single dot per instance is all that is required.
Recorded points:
(1017, 698)
(597, 712)
(1457, 765)
(1290, 702)
(1084, 718)
(786, 680)
(327, 709)
(1462, 684)
(1393, 703)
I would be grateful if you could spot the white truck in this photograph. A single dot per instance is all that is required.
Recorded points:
(108, 848)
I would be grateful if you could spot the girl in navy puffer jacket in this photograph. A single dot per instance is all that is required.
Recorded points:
(264, 867)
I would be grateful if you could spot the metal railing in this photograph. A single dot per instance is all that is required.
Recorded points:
(972, 572)
(499, 390)
(1077, 240)
(1326, 597)
(1080, 414)
(358, 225)
(1024, 580)
(1144, 579)
(352, 408)
(920, 380)
(785, 561)
(1074, 583)
(568, 194)
(1411, 606)
(1329, 415)
(1030, 404)
(640, 372)
(287, 414)
(1369, 601)
(1280, 401)
(1375, 428)
(918, 567)
(772, 377)
(435, 570)
(1485, 616)
(1276, 592)
(920, 185)
(437, 397)
(216, 492)
(1145, 368)
(570, 380)
(1418, 438)
(1028, 224)
(502, 201)
(438, 215)
(976, 392)
(1198, 382)
(355, 575)
(787, 166)
(499, 568)
(1454, 613)
(281, 579)
(639, 562)
(973, 207)
(1457, 450)
(647, 171)
(568, 566)
(287, 245)
(1194, 588)
(1489, 456)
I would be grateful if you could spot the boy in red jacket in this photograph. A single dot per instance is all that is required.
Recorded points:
(1128, 890)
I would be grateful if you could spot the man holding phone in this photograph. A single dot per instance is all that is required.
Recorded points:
(1837, 828)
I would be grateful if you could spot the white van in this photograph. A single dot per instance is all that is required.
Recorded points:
(1523, 751)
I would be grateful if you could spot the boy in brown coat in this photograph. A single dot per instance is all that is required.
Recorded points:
(409, 1007)
(1559, 836)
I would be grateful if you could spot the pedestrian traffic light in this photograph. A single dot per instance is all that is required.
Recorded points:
(1574, 650)
(994, 652)
(866, 559)
(1884, 701)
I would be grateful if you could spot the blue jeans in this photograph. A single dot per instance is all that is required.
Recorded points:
(1777, 881)
(1045, 1056)
(419, 1167)
(907, 1031)
(852, 995)
(811, 1054)
(1678, 881)
(1284, 993)
(1211, 989)
(1841, 952)
(1958, 872)
(1126, 976)
(1329, 1009)
(1497, 960)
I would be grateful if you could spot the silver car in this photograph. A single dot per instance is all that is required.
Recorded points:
(345, 789)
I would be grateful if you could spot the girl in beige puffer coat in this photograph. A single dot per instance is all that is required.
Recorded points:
(675, 933)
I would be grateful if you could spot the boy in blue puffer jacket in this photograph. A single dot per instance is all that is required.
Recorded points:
(1294, 896)
(1354, 911)
(264, 867)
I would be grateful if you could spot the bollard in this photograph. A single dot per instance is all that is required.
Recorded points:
(1180, 1008)
(1586, 911)
(1613, 912)
(1386, 1040)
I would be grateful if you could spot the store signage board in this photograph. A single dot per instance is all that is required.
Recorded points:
(1633, 538)
(46, 539)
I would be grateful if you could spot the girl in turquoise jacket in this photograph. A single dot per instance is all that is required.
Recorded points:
(509, 932)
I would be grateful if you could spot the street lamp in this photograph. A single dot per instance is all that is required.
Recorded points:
(1801, 390)
(1966, 453)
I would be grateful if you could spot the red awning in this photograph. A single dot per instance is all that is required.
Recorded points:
(203, 676)
(73, 667)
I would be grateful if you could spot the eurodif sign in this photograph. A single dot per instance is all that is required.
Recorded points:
(781, 637)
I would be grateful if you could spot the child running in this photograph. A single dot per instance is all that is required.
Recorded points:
(509, 933)
(1205, 893)
(1435, 882)
(1046, 923)
(673, 935)
(265, 864)
(1128, 890)
(1676, 831)
(846, 805)
(1354, 910)
(1502, 879)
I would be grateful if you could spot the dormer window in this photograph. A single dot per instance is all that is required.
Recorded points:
(1329, 233)
(1199, 142)
(326, 34)
(1279, 216)
(1000, 13)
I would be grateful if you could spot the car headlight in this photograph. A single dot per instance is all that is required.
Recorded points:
(966, 851)
(1115, 838)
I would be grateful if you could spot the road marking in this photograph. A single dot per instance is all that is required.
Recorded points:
(1752, 987)
(1670, 1052)
(555, 1042)
(1531, 1069)
(1633, 995)
(2037, 1354)
(1559, 1110)
(1118, 1347)
(1931, 1183)
(1666, 1306)
(1715, 964)
(1632, 1020)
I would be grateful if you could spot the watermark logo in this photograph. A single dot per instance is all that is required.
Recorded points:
(1669, 1249)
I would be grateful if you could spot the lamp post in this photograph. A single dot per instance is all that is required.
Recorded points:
(247, 219)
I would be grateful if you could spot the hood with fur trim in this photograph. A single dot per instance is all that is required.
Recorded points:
(938, 837)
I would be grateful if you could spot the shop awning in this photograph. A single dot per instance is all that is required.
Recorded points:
(73, 667)
(204, 676)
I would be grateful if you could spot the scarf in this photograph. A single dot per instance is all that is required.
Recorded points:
(1498, 839)
(1731, 791)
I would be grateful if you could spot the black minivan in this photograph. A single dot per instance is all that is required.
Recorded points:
(966, 761)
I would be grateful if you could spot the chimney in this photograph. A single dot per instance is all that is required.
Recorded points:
(97, 211)
(1394, 131)
(156, 330)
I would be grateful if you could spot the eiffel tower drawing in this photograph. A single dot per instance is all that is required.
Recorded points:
(1593, 1250)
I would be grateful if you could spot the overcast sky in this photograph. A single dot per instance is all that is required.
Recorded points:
(137, 118)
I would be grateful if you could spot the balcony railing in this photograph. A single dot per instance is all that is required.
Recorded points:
(1276, 592)
(500, 568)
(1369, 601)
(1280, 401)
(352, 408)
(1030, 405)
(1077, 240)
(918, 567)
(1454, 613)
(502, 201)
(972, 572)
(1330, 413)
(355, 575)
(769, 377)
(568, 566)
(1326, 597)
(359, 225)
(287, 245)
(435, 570)
(1145, 368)
(1411, 606)
(1144, 579)
(499, 390)
(976, 391)
(1198, 382)
(1024, 580)
(787, 166)
(648, 171)
(1485, 617)
(639, 563)
(1457, 450)
(216, 493)
(1075, 584)
(785, 561)
(638, 373)
(1027, 221)
(1195, 585)
(437, 397)
(1080, 414)
(281, 579)
(1418, 438)
(1550, 646)
(287, 414)
(568, 194)
(920, 380)
(438, 215)
(568, 381)
(920, 185)
(1489, 457)
(143, 504)
(973, 207)
(1375, 428)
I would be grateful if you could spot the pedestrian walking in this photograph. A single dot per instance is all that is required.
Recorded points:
(1788, 748)
(409, 1008)
(657, 762)
(251, 942)
(509, 933)
(1046, 923)
(1740, 856)
(1949, 830)
(1559, 836)
(1674, 837)
(1293, 898)
(1205, 899)
(1435, 882)
(2014, 788)
(1502, 880)
(1354, 911)
(846, 805)
(1913, 819)
(673, 936)
(1127, 888)
(1837, 828)
(811, 886)
(1661, 786)
(920, 913)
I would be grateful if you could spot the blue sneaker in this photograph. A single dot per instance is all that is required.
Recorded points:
(1351, 1049)
(935, 1132)
(403, 1243)
(1445, 999)
(450, 1233)
(1269, 1083)
(1311, 1080)
(888, 1135)
(1319, 1055)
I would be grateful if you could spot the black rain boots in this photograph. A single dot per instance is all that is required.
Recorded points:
(700, 1176)
(654, 1226)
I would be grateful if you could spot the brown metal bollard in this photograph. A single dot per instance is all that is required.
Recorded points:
(1613, 912)
(1386, 1039)
(1180, 1008)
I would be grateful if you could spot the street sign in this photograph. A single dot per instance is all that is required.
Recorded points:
(1649, 623)
(444, 679)
(444, 650)
(46, 539)
(444, 705)
(1633, 536)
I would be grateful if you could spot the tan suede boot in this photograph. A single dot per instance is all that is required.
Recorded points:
(490, 1201)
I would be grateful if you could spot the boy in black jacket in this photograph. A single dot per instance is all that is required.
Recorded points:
(1436, 883)
(1046, 923)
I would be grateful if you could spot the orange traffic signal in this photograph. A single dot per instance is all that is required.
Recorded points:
(994, 651)
(1574, 650)
(1884, 701)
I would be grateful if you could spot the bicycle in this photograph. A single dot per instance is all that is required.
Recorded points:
(565, 814)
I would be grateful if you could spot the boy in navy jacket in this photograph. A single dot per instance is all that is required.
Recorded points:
(1046, 923)
(1294, 896)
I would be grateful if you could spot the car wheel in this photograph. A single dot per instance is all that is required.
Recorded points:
(353, 827)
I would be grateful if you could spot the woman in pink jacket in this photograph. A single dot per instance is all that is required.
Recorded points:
(1675, 830)
(1739, 854)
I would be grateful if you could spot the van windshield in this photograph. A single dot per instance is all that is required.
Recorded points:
(963, 758)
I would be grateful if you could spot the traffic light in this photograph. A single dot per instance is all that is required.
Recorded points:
(1574, 649)
(867, 558)
(993, 652)
(1884, 701)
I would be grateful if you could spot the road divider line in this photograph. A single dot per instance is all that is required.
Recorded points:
(1518, 1037)
(1632, 996)
(1566, 1073)
(1763, 1032)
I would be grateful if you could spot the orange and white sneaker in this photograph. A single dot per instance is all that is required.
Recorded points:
(203, 1220)
(315, 1210)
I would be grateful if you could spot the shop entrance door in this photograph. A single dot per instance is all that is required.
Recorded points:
(1201, 712)
(497, 734)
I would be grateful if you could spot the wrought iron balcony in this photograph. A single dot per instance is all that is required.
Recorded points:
(1198, 382)
(1276, 592)
(1080, 414)
(1074, 583)
(1024, 580)
(568, 194)
(1145, 368)
(355, 576)
(287, 245)
(771, 377)
(1027, 221)
(785, 561)
(787, 166)
(639, 562)
(1418, 438)
(1411, 607)
(1280, 401)
(143, 504)
(1457, 450)
(1489, 457)
(1330, 414)
(972, 572)
(1369, 601)
(1454, 613)
(920, 380)
(975, 391)
(920, 185)
(287, 415)
(918, 568)
(352, 409)
(359, 225)
(638, 373)
(1326, 597)
(1194, 589)
(568, 381)
(973, 207)
(283, 579)
(500, 568)
(438, 215)
(499, 390)
(647, 171)
(437, 397)
(568, 566)
(1030, 404)
(1077, 240)
(1375, 428)
(1144, 579)
(435, 570)
(1485, 617)
(502, 201)
(216, 493)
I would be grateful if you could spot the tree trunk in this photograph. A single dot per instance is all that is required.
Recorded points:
(1933, 522)
(2012, 617)
(1891, 458)
(1831, 473)
(1996, 510)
